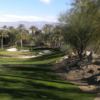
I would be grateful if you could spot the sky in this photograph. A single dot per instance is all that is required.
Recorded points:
(32, 10)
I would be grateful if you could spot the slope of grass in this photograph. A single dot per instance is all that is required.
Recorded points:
(34, 79)
(36, 82)
(15, 53)
(47, 58)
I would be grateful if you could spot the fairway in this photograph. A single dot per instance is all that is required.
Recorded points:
(36, 81)
(49, 49)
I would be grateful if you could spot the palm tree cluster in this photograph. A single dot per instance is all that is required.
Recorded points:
(49, 36)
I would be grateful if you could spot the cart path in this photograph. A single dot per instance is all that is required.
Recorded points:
(98, 97)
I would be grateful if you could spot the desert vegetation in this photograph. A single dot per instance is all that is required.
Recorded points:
(57, 62)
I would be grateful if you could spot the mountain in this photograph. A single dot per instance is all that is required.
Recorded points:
(26, 23)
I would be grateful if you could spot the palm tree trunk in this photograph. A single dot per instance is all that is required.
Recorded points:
(2, 42)
(21, 43)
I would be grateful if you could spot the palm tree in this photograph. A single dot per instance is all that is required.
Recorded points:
(33, 29)
(47, 31)
(22, 34)
(33, 34)
(37, 35)
(47, 28)
(57, 37)
(12, 35)
(3, 34)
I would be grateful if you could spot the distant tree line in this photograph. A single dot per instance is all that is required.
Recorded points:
(49, 36)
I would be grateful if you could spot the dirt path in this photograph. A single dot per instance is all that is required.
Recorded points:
(90, 88)
(98, 97)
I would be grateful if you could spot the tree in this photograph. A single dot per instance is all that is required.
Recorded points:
(36, 35)
(52, 35)
(57, 37)
(38, 38)
(22, 34)
(12, 35)
(47, 30)
(80, 25)
(33, 29)
(3, 34)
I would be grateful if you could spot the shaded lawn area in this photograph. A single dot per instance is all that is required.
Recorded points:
(36, 82)
(34, 79)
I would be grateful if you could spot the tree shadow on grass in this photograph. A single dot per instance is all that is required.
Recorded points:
(47, 56)
(37, 71)
(38, 91)
(32, 71)
(22, 94)
(34, 82)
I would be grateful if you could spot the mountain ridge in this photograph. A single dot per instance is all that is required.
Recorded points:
(27, 24)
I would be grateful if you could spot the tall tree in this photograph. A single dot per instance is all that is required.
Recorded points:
(23, 34)
(3, 34)
(47, 30)
(80, 25)
(57, 37)
(33, 29)
(12, 35)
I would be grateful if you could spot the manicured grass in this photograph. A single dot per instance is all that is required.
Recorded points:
(15, 53)
(34, 79)
(38, 60)
(36, 82)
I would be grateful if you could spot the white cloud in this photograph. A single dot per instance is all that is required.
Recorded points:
(13, 18)
(46, 1)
